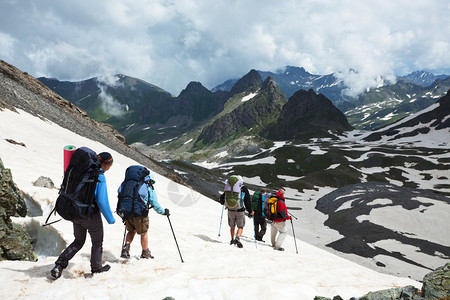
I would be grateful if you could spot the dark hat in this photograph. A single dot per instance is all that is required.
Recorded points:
(105, 158)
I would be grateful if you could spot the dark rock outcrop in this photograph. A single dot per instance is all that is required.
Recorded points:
(436, 285)
(44, 182)
(15, 243)
(308, 115)
(403, 293)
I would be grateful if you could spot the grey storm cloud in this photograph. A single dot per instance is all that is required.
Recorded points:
(170, 43)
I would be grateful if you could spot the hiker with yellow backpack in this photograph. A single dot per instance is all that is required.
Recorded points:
(277, 204)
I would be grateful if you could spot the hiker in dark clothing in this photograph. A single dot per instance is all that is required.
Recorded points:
(259, 220)
(93, 225)
(236, 216)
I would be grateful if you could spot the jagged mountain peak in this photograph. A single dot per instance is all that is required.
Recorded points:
(307, 115)
(296, 71)
(193, 87)
(251, 82)
(269, 83)
(423, 78)
(251, 110)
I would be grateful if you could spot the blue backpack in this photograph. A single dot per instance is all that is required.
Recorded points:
(132, 193)
(77, 193)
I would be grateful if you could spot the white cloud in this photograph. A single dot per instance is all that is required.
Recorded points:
(172, 43)
(6, 45)
(109, 104)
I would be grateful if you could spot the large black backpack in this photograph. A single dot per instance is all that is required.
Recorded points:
(77, 193)
(133, 191)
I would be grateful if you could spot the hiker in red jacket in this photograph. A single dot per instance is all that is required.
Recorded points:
(279, 224)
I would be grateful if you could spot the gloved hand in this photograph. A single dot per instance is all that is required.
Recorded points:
(166, 212)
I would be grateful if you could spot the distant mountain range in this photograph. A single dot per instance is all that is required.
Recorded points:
(385, 105)
(432, 119)
(139, 110)
(291, 79)
(145, 113)
(372, 109)
(424, 78)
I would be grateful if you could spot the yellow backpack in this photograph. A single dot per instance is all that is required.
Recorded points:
(271, 207)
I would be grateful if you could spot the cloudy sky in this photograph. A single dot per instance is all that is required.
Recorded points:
(170, 43)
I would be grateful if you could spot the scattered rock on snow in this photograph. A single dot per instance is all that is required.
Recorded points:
(44, 182)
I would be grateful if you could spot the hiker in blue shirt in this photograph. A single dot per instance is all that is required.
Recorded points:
(101, 196)
(140, 224)
(92, 224)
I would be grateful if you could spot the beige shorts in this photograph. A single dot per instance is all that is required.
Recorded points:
(236, 218)
(138, 224)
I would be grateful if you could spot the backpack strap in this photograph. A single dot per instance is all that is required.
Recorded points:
(135, 195)
(46, 221)
(148, 195)
(150, 185)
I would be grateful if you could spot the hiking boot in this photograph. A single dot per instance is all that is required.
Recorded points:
(125, 251)
(146, 254)
(56, 271)
(105, 268)
(232, 242)
(238, 242)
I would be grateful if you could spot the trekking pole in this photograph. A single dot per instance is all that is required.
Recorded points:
(295, 241)
(293, 216)
(254, 229)
(123, 241)
(175, 239)
(221, 216)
